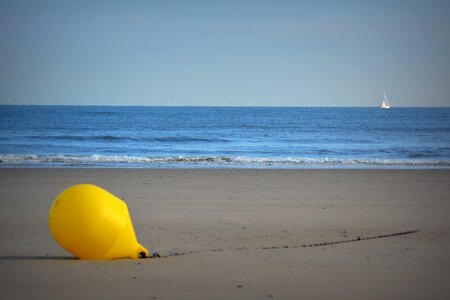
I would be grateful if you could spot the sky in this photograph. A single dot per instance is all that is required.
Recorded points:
(263, 53)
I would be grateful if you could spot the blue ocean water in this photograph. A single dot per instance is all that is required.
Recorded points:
(256, 137)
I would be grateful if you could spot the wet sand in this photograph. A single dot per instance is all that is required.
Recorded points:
(244, 227)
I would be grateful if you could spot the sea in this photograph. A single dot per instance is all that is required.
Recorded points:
(224, 137)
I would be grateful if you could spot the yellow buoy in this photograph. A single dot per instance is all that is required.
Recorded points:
(92, 223)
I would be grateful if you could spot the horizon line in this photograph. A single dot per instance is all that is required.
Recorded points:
(223, 106)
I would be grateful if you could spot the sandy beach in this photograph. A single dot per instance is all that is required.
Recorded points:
(230, 220)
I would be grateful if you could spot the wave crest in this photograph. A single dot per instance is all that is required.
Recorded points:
(237, 161)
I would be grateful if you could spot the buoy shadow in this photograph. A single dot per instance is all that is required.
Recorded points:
(36, 257)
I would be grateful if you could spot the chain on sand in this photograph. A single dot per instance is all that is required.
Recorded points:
(321, 244)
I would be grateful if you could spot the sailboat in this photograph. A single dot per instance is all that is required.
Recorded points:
(385, 103)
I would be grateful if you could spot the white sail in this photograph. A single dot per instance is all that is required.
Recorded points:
(385, 103)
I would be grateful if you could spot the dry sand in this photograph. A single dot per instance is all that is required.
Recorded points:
(177, 211)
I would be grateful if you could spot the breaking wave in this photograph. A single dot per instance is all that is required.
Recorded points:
(212, 161)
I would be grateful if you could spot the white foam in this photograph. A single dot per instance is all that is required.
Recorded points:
(124, 161)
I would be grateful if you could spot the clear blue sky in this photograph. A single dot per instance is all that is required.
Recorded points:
(296, 53)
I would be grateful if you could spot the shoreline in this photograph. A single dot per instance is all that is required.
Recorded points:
(214, 212)
(225, 167)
